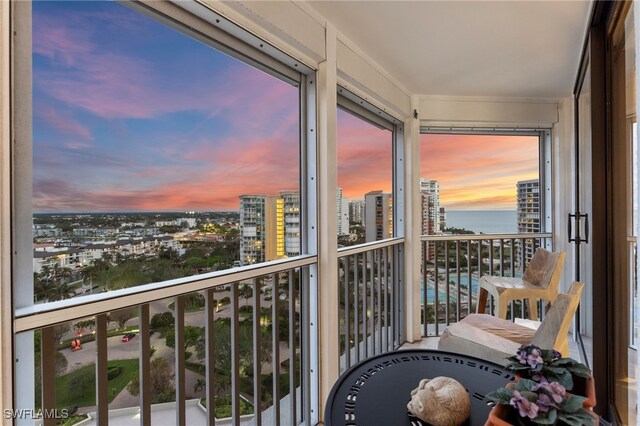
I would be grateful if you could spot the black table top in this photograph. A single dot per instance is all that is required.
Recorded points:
(375, 392)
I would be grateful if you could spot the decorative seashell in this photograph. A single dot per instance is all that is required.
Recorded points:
(441, 401)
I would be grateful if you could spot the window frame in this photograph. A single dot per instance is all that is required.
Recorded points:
(366, 111)
(545, 165)
(197, 21)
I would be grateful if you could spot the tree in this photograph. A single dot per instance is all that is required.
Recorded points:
(60, 330)
(89, 273)
(64, 274)
(169, 253)
(222, 350)
(82, 325)
(123, 315)
(42, 288)
(192, 334)
(245, 291)
(61, 291)
(162, 321)
(162, 382)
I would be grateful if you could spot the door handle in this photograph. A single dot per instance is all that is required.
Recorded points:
(586, 229)
(570, 228)
(578, 216)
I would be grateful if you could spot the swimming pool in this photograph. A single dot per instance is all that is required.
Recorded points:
(442, 295)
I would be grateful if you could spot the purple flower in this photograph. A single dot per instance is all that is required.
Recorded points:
(555, 354)
(535, 358)
(522, 356)
(544, 403)
(525, 407)
(555, 390)
(531, 355)
(538, 378)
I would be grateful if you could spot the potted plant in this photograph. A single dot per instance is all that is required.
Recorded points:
(548, 389)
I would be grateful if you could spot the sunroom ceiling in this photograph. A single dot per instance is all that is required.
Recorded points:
(469, 48)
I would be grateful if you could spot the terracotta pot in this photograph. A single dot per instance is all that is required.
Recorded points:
(502, 415)
(497, 416)
(587, 388)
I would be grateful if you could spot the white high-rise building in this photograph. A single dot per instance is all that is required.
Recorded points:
(291, 222)
(430, 198)
(257, 228)
(528, 214)
(342, 211)
(356, 211)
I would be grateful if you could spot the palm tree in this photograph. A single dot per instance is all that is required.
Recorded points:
(64, 274)
(42, 287)
(62, 291)
(89, 273)
(245, 291)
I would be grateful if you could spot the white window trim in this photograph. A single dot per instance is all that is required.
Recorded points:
(206, 26)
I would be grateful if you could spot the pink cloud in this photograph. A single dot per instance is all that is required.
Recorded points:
(64, 122)
(113, 85)
(60, 43)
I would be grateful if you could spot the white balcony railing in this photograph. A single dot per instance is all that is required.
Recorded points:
(453, 264)
(370, 280)
(269, 341)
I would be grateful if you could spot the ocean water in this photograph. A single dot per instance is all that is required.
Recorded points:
(483, 221)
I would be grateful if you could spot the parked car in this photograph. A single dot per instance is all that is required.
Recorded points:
(128, 337)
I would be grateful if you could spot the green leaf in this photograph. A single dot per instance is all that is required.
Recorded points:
(501, 396)
(561, 376)
(579, 370)
(525, 385)
(547, 418)
(572, 404)
(578, 418)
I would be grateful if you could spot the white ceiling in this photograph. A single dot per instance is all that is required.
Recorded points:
(469, 48)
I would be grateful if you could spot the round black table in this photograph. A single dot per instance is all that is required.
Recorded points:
(375, 392)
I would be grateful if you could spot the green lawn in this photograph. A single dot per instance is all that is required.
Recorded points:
(223, 406)
(79, 386)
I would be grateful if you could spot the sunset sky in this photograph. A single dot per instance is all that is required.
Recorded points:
(129, 115)
(364, 157)
(478, 172)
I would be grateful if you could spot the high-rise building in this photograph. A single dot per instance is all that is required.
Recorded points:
(528, 215)
(443, 219)
(342, 211)
(257, 215)
(378, 215)
(291, 222)
(356, 211)
(268, 227)
(430, 203)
